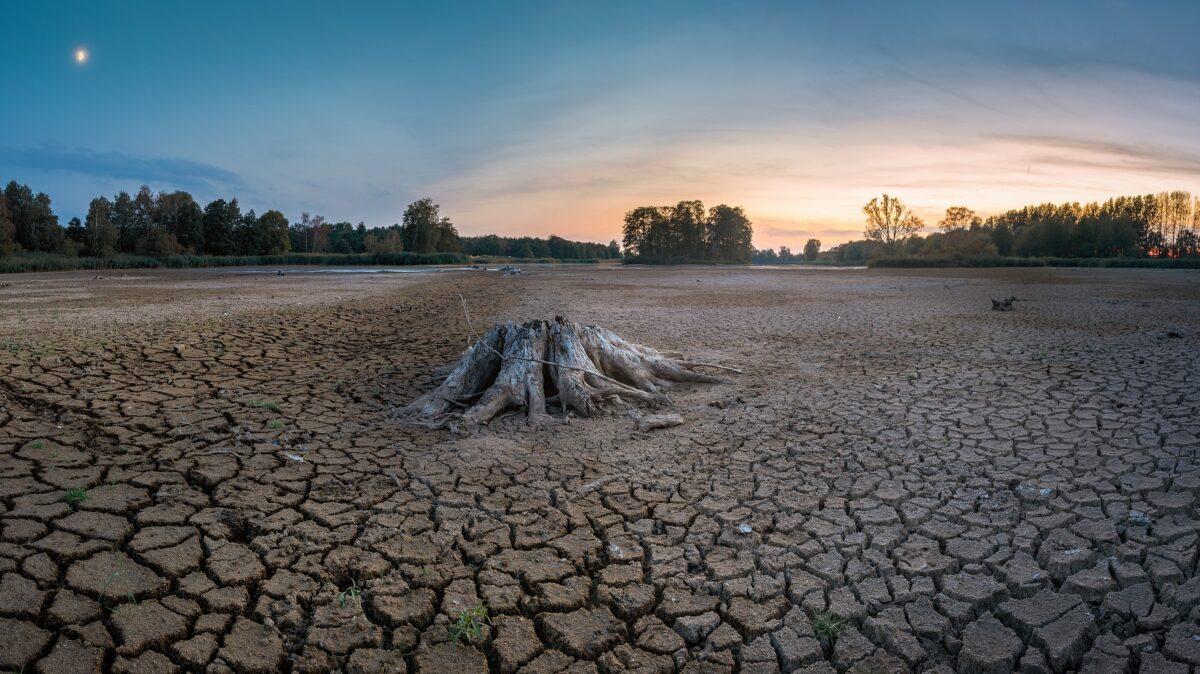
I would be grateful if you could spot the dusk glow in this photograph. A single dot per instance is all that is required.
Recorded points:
(557, 118)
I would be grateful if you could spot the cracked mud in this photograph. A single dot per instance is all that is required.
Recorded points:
(201, 471)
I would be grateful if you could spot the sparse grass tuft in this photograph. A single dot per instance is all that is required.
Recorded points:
(350, 594)
(469, 625)
(828, 625)
(264, 405)
(37, 444)
(75, 496)
(275, 424)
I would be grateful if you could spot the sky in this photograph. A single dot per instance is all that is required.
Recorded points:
(532, 118)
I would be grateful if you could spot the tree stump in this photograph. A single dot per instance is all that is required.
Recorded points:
(581, 368)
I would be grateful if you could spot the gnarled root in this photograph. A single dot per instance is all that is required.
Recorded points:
(588, 367)
(474, 371)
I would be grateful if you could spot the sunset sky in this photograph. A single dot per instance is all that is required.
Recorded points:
(557, 117)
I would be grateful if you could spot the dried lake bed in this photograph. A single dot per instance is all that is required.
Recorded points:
(202, 470)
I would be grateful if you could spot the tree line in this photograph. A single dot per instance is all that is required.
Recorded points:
(811, 251)
(1162, 225)
(173, 223)
(686, 232)
(531, 247)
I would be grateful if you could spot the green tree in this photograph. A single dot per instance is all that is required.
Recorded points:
(75, 232)
(101, 234)
(271, 234)
(8, 233)
(35, 226)
(220, 219)
(144, 218)
(181, 217)
(423, 229)
(122, 218)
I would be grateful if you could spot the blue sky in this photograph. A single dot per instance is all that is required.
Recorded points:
(532, 118)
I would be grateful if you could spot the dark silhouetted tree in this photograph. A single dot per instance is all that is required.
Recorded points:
(812, 248)
(729, 234)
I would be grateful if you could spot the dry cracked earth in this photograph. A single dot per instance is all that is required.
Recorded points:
(201, 471)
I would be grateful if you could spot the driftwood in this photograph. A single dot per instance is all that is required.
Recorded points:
(655, 421)
(581, 368)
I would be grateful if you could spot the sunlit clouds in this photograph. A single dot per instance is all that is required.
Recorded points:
(1082, 140)
(539, 118)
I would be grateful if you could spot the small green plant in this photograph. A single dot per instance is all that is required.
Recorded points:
(828, 625)
(350, 594)
(469, 625)
(37, 444)
(104, 589)
(75, 496)
(264, 405)
(275, 424)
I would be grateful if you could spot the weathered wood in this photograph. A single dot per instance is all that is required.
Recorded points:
(589, 368)
(519, 382)
(580, 385)
(655, 421)
(475, 370)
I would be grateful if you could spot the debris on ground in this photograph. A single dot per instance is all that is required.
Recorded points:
(1005, 304)
(656, 421)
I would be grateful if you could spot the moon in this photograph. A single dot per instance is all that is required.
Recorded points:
(81, 55)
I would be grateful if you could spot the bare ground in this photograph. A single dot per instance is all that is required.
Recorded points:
(199, 470)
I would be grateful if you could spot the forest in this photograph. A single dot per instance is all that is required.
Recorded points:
(165, 224)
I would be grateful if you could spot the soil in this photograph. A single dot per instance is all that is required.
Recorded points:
(203, 471)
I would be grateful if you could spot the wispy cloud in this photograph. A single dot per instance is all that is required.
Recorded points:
(123, 167)
(1082, 152)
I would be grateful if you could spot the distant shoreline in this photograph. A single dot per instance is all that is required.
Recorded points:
(48, 262)
(1110, 262)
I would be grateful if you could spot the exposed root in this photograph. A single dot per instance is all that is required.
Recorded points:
(581, 368)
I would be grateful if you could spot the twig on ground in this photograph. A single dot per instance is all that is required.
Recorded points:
(595, 484)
